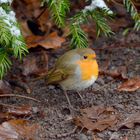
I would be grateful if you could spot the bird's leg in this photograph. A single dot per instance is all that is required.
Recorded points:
(66, 95)
(79, 94)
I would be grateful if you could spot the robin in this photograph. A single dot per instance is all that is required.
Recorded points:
(76, 70)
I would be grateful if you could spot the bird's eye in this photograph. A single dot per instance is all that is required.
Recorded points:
(85, 57)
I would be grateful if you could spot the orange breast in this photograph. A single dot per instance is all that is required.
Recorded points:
(88, 68)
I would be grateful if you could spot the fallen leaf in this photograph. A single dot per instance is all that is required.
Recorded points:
(97, 118)
(44, 21)
(5, 87)
(52, 41)
(130, 85)
(120, 72)
(22, 111)
(100, 125)
(130, 121)
(11, 111)
(32, 8)
(35, 64)
(18, 129)
(5, 117)
(18, 80)
(95, 111)
(25, 29)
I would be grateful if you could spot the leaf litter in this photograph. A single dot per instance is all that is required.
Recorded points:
(129, 121)
(120, 72)
(35, 64)
(51, 41)
(130, 85)
(100, 118)
(13, 126)
(22, 111)
(18, 129)
(97, 118)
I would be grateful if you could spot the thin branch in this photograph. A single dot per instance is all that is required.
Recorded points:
(20, 96)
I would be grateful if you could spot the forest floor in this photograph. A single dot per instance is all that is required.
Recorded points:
(119, 53)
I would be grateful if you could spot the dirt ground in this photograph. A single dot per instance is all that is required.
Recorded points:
(56, 119)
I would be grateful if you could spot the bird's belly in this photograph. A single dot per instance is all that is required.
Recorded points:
(77, 83)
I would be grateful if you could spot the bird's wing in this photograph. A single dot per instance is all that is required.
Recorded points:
(57, 75)
(63, 69)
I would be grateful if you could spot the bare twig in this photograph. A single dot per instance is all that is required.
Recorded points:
(8, 105)
(19, 96)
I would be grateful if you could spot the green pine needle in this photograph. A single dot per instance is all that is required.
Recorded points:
(79, 38)
(58, 9)
(134, 13)
(101, 23)
(80, 18)
(9, 45)
(5, 35)
(5, 63)
(19, 47)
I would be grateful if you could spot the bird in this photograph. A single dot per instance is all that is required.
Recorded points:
(76, 69)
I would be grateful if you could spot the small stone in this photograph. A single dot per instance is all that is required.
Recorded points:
(114, 136)
(51, 87)
(89, 132)
(120, 96)
(82, 137)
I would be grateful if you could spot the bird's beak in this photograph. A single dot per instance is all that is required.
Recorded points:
(94, 56)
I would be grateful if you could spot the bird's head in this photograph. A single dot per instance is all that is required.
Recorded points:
(86, 54)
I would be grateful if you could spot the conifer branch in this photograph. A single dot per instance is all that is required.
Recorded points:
(58, 9)
(79, 37)
(5, 62)
(133, 12)
(11, 40)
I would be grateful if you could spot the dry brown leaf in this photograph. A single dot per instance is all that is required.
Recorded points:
(97, 118)
(35, 64)
(130, 85)
(52, 41)
(5, 117)
(120, 72)
(25, 29)
(18, 129)
(95, 111)
(11, 112)
(32, 8)
(130, 121)
(43, 21)
(100, 125)
(21, 111)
